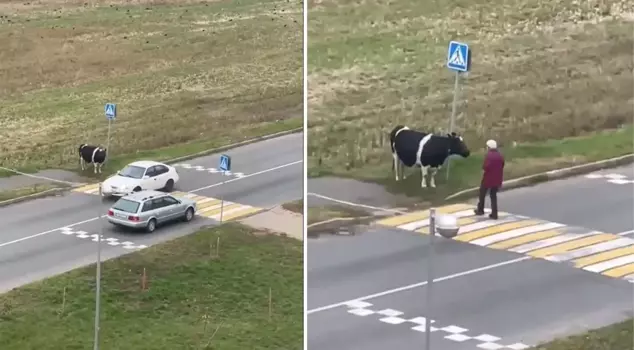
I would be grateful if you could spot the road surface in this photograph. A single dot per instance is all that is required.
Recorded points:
(52, 235)
(495, 288)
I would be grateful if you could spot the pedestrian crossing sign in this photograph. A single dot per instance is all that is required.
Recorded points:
(111, 111)
(458, 56)
(225, 163)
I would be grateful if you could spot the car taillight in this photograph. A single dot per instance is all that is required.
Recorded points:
(133, 218)
(110, 213)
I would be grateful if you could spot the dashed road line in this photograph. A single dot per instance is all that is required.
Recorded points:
(450, 332)
(201, 168)
(594, 251)
(68, 231)
(617, 179)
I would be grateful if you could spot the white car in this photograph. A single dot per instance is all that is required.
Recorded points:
(138, 176)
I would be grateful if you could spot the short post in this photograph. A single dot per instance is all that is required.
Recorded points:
(430, 276)
(222, 197)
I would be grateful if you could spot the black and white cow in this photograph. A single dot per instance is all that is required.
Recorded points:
(429, 151)
(92, 154)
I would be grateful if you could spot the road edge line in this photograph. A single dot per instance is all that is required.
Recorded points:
(419, 284)
(553, 175)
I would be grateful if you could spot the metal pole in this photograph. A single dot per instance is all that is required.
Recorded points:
(222, 196)
(453, 113)
(430, 276)
(98, 278)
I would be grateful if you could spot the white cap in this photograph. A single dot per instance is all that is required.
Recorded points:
(492, 144)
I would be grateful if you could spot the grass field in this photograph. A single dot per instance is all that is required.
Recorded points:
(205, 73)
(619, 336)
(194, 299)
(541, 70)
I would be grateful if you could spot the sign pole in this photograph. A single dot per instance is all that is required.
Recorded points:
(222, 196)
(111, 115)
(225, 166)
(458, 60)
(430, 276)
(453, 113)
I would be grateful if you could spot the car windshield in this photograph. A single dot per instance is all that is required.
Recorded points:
(135, 172)
(126, 205)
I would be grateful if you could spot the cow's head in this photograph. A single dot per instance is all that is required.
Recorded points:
(457, 145)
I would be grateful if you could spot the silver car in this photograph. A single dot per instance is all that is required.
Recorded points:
(148, 209)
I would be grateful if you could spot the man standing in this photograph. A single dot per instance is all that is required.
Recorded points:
(491, 179)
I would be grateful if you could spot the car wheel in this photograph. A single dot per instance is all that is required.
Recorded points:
(137, 189)
(151, 225)
(189, 214)
(169, 186)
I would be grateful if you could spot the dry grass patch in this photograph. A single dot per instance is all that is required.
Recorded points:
(541, 70)
(180, 72)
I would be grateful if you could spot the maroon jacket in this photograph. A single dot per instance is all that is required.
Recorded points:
(493, 169)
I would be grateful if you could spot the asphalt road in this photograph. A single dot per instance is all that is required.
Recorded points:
(588, 200)
(34, 245)
(368, 291)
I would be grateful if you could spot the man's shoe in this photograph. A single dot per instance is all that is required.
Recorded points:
(494, 217)
(478, 212)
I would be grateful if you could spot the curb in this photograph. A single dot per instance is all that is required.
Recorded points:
(46, 193)
(553, 175)
(233, 145)
(338, 219)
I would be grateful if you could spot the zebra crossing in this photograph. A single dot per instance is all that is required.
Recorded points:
(207, 206)
(599, 252)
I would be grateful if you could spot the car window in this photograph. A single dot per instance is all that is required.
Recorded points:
(133, 171)
(161, 169)
(151, 171)
(126, 205)
(169, 200)
(157, 203)
(147, 206)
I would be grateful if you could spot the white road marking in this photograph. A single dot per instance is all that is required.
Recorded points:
(47, 232)
(247, 176)
(625, 233)
(606, 265)
(356, 204)
(416, 285)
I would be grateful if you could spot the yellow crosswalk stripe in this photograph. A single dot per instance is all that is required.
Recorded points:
(87, 188)
(495, 229)
(212, 211)
(206, 204)
(423, 214)
(620, 271)
(570, 245)
(513, 242)
(240, 213)
(461, 222)
(611, 254)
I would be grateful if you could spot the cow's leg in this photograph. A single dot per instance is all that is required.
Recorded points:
(94, 165)
(396, 164)
(99, 167)
(423, 173)
(81, 163)
(432, 177)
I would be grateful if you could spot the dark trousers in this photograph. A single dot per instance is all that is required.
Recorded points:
(493, 194)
